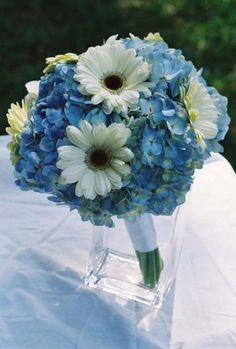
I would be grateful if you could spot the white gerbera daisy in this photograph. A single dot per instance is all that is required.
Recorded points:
(202, 111)
(96, 160)
(113, 75)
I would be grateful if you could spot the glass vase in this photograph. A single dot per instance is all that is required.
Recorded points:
(114, 265)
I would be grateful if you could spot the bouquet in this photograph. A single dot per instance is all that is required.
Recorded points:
(117, 131)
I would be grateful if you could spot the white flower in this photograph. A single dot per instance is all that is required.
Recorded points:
(33, 92)
(96, 160)
(113, 75)
(202, 111)
(33, 87)
(17, 116)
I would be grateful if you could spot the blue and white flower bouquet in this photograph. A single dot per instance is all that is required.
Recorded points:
(117, 131)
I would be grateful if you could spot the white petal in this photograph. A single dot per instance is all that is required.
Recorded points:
(88, 185)
(102, 183)
(99, 135)
(33, 87)
(91, 88)
(124, 154)
(200, 100)
(86, 128)
(77, 138)
(69, 152)
(117, 136)
(144, 88)
(127, 60)
(114, 102)
(114, 178)
(138, 75)
(62, 164)
(201, 141)
(96, 99)
(72, 174)
(120, 167)
(130, 97)
(79, 190)
(82, 89)
(208, 129)
(112, 40)
(107, 106)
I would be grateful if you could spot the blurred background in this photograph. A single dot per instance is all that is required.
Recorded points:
(30, 31)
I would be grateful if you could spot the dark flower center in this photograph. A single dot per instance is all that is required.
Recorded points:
(98, 159)
(113, 82)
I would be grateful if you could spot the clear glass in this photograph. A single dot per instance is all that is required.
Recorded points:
(114, 267)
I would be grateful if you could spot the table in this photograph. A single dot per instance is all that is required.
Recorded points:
(43, 256)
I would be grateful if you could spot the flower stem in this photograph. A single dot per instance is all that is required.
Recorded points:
(151, 265)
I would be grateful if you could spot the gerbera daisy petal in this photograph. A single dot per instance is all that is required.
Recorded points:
(117, 136)
(207, 128)
(76, 137)
(130, 97)
(120, 167)
(79, 190)
(99, 135)
(70, 175)
(114, 178)
(86, 129)
(102, 183)
(88, 185)
(98, 98)
(70, 151)
(124, 154)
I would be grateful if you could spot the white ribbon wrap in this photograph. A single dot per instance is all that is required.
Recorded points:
(142, 233)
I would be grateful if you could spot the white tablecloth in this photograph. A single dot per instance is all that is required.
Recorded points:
(43, 256)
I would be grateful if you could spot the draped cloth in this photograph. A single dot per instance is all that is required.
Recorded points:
(43, 256)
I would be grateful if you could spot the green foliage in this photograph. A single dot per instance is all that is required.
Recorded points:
(33, 30)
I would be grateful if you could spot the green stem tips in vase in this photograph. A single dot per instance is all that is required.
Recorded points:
(151, 265)
(143, 237)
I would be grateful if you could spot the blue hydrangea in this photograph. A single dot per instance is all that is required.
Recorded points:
(162, 139)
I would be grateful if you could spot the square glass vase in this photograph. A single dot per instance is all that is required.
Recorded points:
(114, 267)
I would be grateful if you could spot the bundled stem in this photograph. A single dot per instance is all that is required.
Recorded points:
(151, 266)
(143, 237)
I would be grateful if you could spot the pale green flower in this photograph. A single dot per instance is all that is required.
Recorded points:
(17, 116)
(97, 160)
(53, 61)
(154, 37)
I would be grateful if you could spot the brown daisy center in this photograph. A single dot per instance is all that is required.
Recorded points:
(113, 82)
(98, 158)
